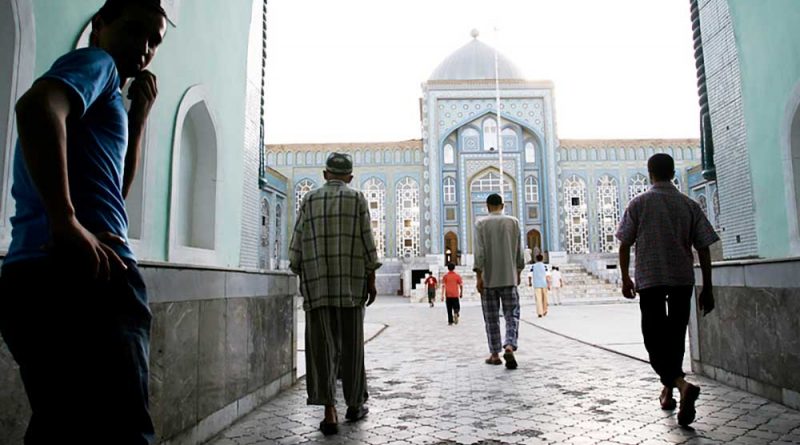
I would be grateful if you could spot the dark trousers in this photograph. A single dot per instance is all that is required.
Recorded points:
(82, 347)
(665, 317)
(335, 345)
(453, 305)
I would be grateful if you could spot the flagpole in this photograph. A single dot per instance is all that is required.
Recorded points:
(499, 118)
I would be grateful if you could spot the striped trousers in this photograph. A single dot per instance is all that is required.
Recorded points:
(335, 347)
(491, 299)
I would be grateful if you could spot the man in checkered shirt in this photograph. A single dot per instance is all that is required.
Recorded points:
(665, 224)
(333, 252)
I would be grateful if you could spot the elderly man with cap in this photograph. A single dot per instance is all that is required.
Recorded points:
(334, 254)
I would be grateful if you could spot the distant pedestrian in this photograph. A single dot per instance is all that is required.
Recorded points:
(664, 224)
(498, 263)
(540, 286)
(431, 283)
(333, 252)
(554, 285)
(452, 292)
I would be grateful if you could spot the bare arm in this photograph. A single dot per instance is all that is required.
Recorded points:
(42, 114)
(706, 299)
(628, 290)
(142, 92)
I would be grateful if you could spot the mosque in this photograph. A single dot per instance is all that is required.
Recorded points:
(426, 194)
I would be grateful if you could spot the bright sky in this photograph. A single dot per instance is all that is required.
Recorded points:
(350, 70)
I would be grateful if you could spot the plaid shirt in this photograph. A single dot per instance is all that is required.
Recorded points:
(664, 224)
(332, 248)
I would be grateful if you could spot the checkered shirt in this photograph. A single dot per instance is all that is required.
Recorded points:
(664, 224)
(333, 249)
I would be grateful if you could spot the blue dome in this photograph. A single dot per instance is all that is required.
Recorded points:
(475, 61)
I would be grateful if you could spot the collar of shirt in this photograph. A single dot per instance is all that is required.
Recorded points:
(663, 185)
(499, 212)
(337, 182)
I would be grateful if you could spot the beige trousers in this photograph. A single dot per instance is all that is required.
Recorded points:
(541, 300)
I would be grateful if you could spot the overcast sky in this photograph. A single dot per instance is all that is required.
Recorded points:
(350, 70)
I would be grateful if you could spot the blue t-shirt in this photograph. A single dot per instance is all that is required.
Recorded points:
(539, 275)
(97, 139)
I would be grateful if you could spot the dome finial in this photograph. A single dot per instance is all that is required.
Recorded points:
(475, 33)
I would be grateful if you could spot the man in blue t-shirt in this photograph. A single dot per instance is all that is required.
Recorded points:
(73, 306)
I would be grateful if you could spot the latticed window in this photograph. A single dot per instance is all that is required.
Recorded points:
(407, 195)
(608, 212)
(449, 190)
(531, 189)
(375, 192)
(262, 259)
(490, 182)
(277, 253)
(575, 211)
(303, 187)
(637, 186)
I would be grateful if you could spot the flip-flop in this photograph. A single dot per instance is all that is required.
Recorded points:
(328, 429)
(687, 413)
(511, 361)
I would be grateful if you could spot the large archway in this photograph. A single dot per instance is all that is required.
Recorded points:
(534, 242)
(481, 185)
(451, 251)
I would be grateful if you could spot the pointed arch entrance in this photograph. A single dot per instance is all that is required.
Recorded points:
(451, 251)
(483, 184)
(534, 242)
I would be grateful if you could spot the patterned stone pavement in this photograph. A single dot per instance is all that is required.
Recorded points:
(429, 385)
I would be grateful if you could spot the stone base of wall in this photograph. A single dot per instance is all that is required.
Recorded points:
(222, 342)
(752, 338)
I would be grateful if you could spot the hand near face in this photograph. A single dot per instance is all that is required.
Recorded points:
(142, 93)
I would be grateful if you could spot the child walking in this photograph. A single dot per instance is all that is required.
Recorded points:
(452, 291)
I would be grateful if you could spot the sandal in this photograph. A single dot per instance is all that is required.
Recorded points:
(355, 414)
(666, 400)
(493, 361)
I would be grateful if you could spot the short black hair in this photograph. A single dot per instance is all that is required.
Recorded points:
(539, 257)
(451, 266)
(113, 9)
(661, 166)
(494, 199)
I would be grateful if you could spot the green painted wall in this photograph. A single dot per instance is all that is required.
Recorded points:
(209, 46)
(768, 40)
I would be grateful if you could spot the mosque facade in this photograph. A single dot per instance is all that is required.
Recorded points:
(426, 194)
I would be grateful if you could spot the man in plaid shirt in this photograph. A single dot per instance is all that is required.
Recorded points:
(333, 252)
(665, 224)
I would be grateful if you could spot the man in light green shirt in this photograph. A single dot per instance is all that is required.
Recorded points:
(499, 260)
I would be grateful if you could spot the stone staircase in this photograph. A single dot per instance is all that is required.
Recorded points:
(580, 287)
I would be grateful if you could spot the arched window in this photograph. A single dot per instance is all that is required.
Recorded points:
(195, 173)
(575, 211)
(449, 190)
(490, 182)
(531, 189)
(703, 202)
(407, 196)
(262, 260)
(637, 186)
(276, 254)
(489, 134)
(300, 191)
(509, 139)
(608, 213)
(375, 192)
(449, 154)
(530, 153)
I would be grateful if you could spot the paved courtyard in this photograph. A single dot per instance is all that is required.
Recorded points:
(428, 385)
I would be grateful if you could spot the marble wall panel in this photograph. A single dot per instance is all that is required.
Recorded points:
(211, 357)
